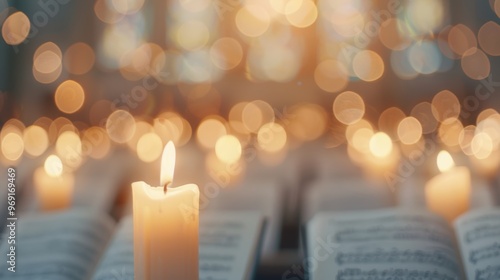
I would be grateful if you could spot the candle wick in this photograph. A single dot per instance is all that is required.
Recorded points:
(166, 186)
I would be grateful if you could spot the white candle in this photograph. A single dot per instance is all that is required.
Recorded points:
(448, 193)
(54, 188)
(166, 226)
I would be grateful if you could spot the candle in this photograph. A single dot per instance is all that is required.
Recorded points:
(54, 188)
(448, 193)
(166, 226)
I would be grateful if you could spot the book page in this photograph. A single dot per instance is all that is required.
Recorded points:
(344, 195)
(380, 244)
(263, 196)
(228, 248)
(58, 245)
(478, 234)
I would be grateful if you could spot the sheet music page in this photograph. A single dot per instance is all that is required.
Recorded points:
(478, 234)
(264, 196)
(228, 248)
(63, 245)
(381, 244)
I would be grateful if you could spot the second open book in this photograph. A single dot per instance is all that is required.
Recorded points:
(403, 244)
(83, 244)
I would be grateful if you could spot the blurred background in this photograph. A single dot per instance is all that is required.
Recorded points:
(201, 69)
(289, 90)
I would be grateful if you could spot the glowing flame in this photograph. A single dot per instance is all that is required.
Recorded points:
(167, 165)
(444, 161)
(53, 166)
(380, 145)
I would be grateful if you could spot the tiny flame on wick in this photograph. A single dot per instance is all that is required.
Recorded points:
(444, 161)
(167, 166)
(53, 166)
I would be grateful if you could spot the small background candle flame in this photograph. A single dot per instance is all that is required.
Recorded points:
(380, 144)
(167, 165)
(53, 166)
(444, 161)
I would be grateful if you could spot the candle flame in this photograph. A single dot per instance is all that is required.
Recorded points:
(380, 145)
(167, 165)
(53, 166)
(444, 161)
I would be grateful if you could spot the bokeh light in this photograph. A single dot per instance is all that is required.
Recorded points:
(368, 65)
(380, 145)
(69, 97)
(255, 114)
(47, 63)
(69, 149)
(449, 132)
(482, 145)
(496, 7)
(389, 120)
(348, 107)
(409, 130)
(12, 146)
(126, 6)
(425, 15)
(485, 114)
(149, 147)
(393, 34)
(15, 28)
(306, 122)
(252, 20)
(490, 44)
(228, 149)
(107, 13)
(209, 131)
(272, 137)
(360, 140)
(425, 57)
(445, 106)
(141, 128)
(192, 35)
(423, 113)
(475, 64)
(331, 75)
(95, 142)
(120, 126)
(461, 39)
(304, 15)
(79, 58)
(36, 140)
(465, 138)
(226, 53)
(352, 130)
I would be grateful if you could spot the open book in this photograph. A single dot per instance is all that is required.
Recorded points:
(79, 245)
(229, 244)
(402, 244)
(56, 246)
